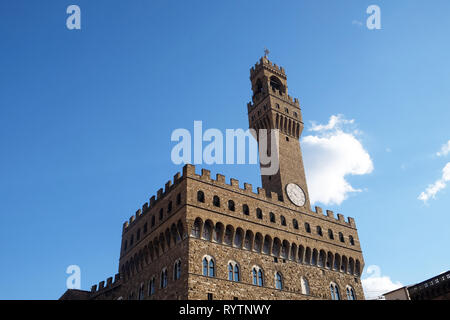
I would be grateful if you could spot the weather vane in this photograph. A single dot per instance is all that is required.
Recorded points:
(266, 52)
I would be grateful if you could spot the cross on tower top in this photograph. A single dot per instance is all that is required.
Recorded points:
(266, 52)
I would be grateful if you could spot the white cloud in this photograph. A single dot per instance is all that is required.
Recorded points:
(335, 122)
(445, 149)
(331, 155)
(440, 184)
(376, 284)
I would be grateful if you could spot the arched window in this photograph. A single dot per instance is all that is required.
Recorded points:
(341, 237)
(212, 268)
(295, 223)
(233, 272)
(231, 205)
(305, 286)
(245, 210)
(278, 281)
(196, 228)
(238, 237)
(169, 207)
(352, 242)
(248, 240)
(272, 217)
(216, 201)
(259, 214)
(205, 266)
(178, 199)
(334, 290)
(153, 221)
(209, 269)
(330, 234)
(218, 232)
(163, 282)
(350, 293)
(141, 292)
(275, 83)
(283, 220)
(307, 227)
(151, 286)
(207, 230)
(258, 242)
(161, 214)
(177, 270)
(258, 276)
(267, 244)
(200, 196)
(229, 231)
(319, 231)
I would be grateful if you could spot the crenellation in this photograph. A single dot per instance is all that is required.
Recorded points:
(330, 214)
(234, 182)
(220, 178)
(159, 194)
(109, 282)
(351, 222)
(101, 285)
(188, 170)
(274, 196)
(262, 193)
(152, 201)
(167, 186)
(248, 187)
(206, 174)
(176, 178)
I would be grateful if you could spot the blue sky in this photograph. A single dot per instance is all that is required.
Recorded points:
(86, 118)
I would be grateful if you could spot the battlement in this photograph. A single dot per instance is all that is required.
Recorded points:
(234, 185)
(147, 206)
(109, 284)
(266, 63)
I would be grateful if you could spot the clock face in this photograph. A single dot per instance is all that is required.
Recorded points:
(295, 194)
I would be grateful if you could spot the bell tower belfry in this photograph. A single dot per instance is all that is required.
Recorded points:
(272, 108)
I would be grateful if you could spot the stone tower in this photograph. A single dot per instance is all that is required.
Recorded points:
(203, 238)
(272, 108)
